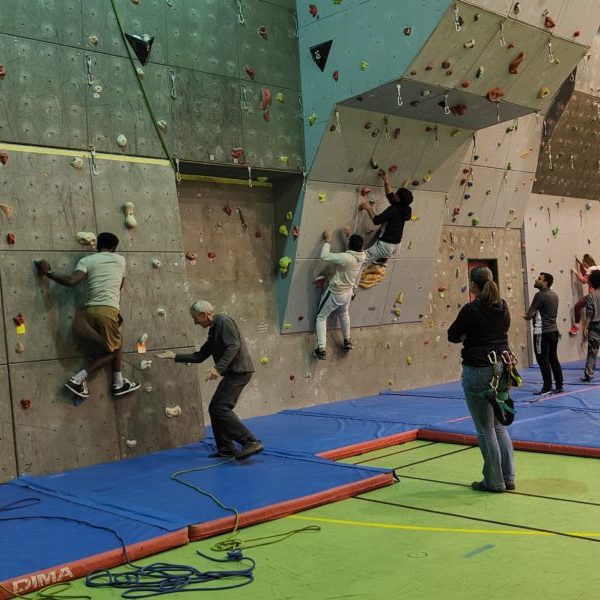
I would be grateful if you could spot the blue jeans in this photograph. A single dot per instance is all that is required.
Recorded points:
(494, 442)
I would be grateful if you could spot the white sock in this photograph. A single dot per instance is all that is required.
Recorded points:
(80, 377)
(117, 379)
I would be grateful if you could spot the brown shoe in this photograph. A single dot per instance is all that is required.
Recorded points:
(249, 449)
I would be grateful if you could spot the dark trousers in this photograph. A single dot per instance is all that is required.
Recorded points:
(578, 308)
(227, 428)
(547, 359)
(592, 350)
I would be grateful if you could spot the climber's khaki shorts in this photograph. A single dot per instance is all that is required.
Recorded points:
(107, 321)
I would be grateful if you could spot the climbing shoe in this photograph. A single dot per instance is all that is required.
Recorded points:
(320, 353)
(585, 379)
(79, 389)
(479, 486)
(126, 388)
(249, 449)
(348, 345)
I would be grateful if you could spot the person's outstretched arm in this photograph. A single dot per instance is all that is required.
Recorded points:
(44, 268)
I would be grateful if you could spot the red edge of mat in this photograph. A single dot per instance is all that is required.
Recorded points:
(283, 509)
(24, 584)
(459, 438)
(369, 445)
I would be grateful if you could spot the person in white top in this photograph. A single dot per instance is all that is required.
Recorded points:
(337, 296)
(585, 266)
(105, 274)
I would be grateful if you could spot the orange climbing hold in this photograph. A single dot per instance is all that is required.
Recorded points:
(549, 22)
(3, 157)
(365, 191)
(265, 98)
(513, 68)
(393, 168)
(494, 94)
(250, 71)
(2, 71)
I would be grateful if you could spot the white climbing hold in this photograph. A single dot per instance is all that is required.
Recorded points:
(162, 124)
(140, 72)
(156, 264)
(86, 238)
(121, 141)
(77, 163)
(173, 411)
(93, 39)
(130, 221)
(145, 364)
(131, 443)
(161, 312)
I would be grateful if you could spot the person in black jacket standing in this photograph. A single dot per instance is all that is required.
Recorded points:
(482, 327)
(232, 362)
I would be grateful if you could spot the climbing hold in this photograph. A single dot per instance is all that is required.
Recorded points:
(415, 218)
(141, 45)
(407, 31)
(474, 221)
(237, 152)
(544, 91)
(250, 71)
(227, 210)
(262, 31)
(284, 159)
(446, 64)
(10, 239)
(549, 22)
(470, 214)
(262, 179)
(414, 182)
(456, 211)
(162, 124)
(145, 364)
(295, 232)
(576, 33)
(517, 8)
(2, 71)
(211, 256)
(425, 93)
(397, 311)
(131, 443)
(77, 163)
(288, 326)
(322, 197)
(264, 360)
(130, 221)
(93, 40)
(588, 206)
(494, 94)
(368, 125)
(284, 264)
(336, 75)
(509, 166)
(480, 72)
(283, 230)
(19, 348)
(312, 119)
(469, 44)
(393, 168)
(313, 10)
(365, 191)
(400, 298)
(161, 312)
(289, 215)
(3, 157)
(19, 320)
(173, 411)
(141, 344)
(257, 234)
(267, 115)
(467, 196)
(265, 98)
(86, 238)
(364, 65)
(555, 231)
(409, 360)
(458, 109)
(135, 1)
(191, 256)
(374, 164)
(515, 63)
(25, 403)
(465, 84)
(140, 72)
(121, 141)
(156, 264)
(280, 98)
(396, 134)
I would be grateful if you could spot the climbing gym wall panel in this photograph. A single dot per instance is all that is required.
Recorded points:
(578, 21)
(47, 307)
(51, 199)
(118, 108)
(202, 35)
(207, 120)
(150, 187)
(524, 137)
(272, 128)
(500, 7)
(8, 466)
(268, 44)
(587, 79)
(534, 12)
(42, 101)
(3, 358)
(56, 22)
(492, 145)
(512, 199)
(52, 434)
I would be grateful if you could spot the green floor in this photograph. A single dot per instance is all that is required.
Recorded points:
(431, 536)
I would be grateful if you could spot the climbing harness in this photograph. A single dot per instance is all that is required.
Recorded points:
(501, 402)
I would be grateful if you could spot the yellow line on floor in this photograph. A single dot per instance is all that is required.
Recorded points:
(436, 529)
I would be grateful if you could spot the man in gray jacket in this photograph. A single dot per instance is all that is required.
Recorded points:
(232, 362)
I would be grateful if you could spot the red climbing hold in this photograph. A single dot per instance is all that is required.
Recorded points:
(2, 71)
(313, 10)
(3, 157)
(456, 211)
(257, 234)
(513, 68)
(25, 403)
(393, 168)
(465, 84)
(336, 75)
(10, 239)
(549, 22)
(295, 232)
(414, 182)
(267, 115)
(191, 255)
(19, 320)
(237, 152)
(494, 94)
(265, 98)
(365, 191)
(458, 109)
(250, 71)
(396, 134)
(228, 210)
(211, 256)
(262, 31)
(576, 33)
(292, 377)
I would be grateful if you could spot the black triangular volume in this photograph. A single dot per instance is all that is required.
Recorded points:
(141, 46)
(320, 53)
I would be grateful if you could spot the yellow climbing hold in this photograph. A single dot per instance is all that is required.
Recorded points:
(312, 119)
(364, 65)
(397, 311)
(544, 91)
(283, 230)
(415, 218)
(455, 132)
(289, 215)
(287, 325)
(284, 159)
(279, 97)
(400, 298)
(264, 360)
(322, 197)
(409, 360)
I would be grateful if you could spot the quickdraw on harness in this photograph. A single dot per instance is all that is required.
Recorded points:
(501, 402)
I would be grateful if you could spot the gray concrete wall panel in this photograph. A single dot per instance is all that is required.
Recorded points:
(276, 143)
(147, 17)
(500, 7)
(8, 465)
(47, 307)
(42, 96)
(578, 21)
(531, 13)
(142, 422)
(147, 293)
(3, 359)
(119, 109)
(207, 117)
(512, 200)
(202, 35)
(52, 434)
(52, 201)
(274, 57)
(525, 143)
(152, 190)
(587, 78)
(55, 22)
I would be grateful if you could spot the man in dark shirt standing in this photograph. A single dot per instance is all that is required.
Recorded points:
(546, 302)
(392, 221)
(232, 362)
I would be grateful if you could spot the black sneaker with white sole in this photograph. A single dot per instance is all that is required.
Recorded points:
(126, 388)
(348, 345)
(79, 389)
(320, 354)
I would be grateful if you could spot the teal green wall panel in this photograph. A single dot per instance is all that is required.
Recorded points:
(273, 56)
(55, 21)
(362, 33)
(202, 35)
(207, 118)
(42, 95)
